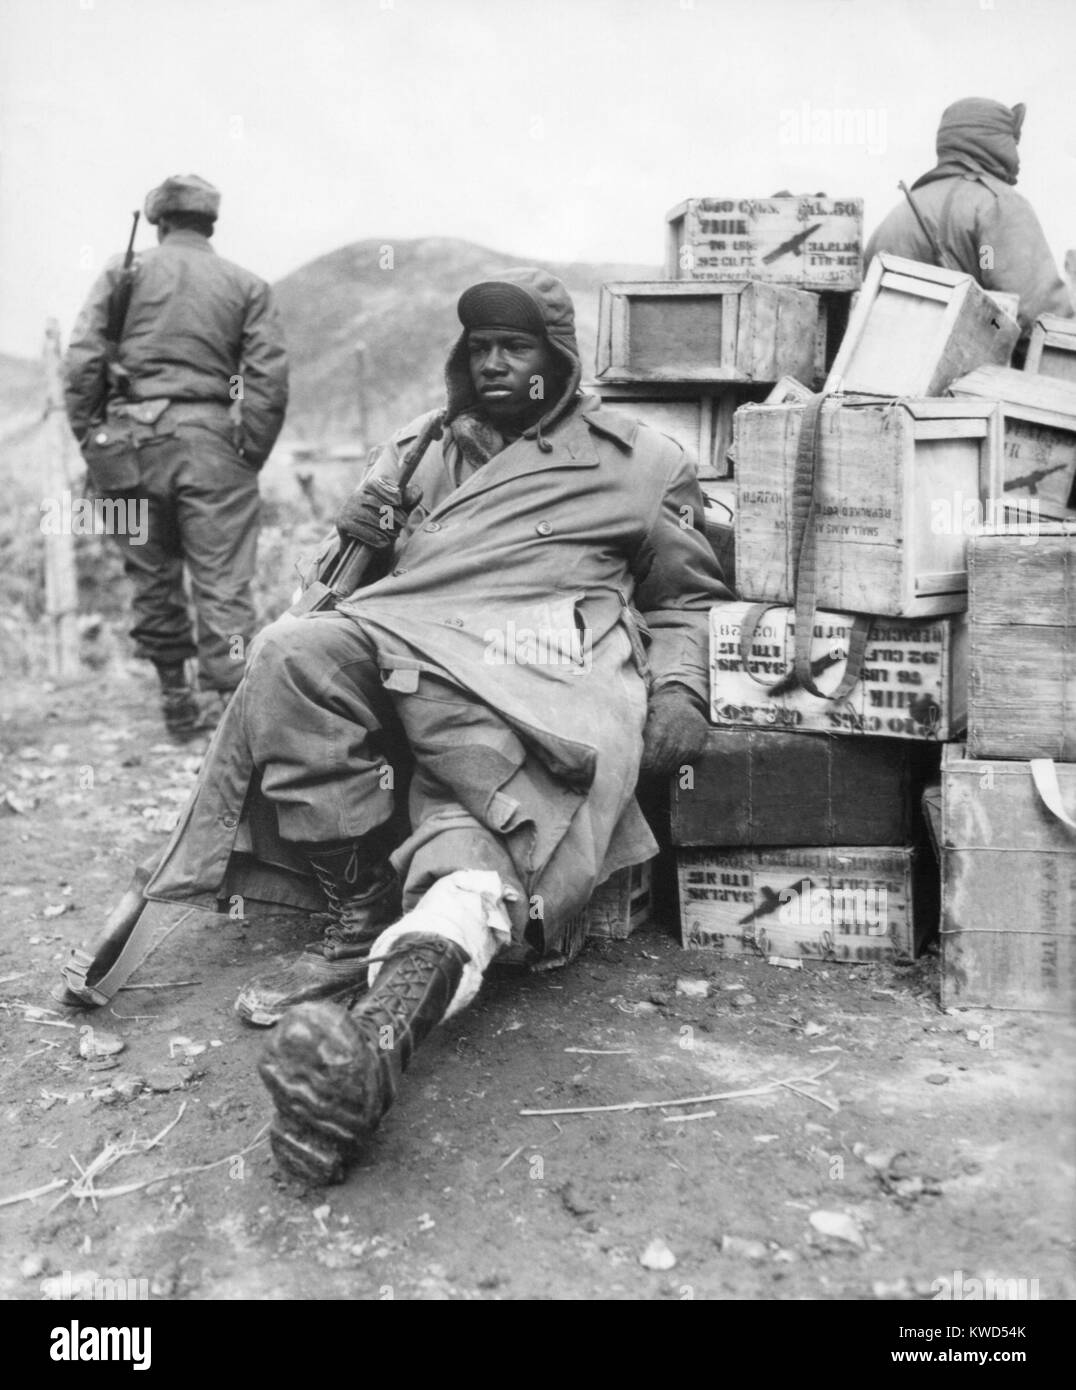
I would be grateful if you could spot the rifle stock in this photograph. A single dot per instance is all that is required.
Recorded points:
(343, 571)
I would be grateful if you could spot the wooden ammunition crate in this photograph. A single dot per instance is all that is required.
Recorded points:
(811, 241)
(915, 329)
(842, 903)
(913, 683)
(761, 787)
(699, 419)
(1022, 643)
(1008, 887)
(685, 331)
(617, 907)
(719, 520)
(621, 905)
(891, 483)
(1038, 470)
(1051, 350)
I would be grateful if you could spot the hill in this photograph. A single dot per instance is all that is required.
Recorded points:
(405, 315)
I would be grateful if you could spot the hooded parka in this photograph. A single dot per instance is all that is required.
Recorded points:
(981, 224)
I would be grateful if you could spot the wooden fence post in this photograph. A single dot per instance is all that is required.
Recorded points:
(61, 584)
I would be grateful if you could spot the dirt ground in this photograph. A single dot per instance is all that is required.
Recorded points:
(935, 1143)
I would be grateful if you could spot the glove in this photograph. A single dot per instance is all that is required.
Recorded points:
(675, 732)
(375, 513)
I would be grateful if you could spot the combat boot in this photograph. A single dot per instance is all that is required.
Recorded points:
(362, 895)
(333, 1073)
(179, 703)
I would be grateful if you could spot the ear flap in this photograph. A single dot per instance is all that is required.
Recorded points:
(1018, 113)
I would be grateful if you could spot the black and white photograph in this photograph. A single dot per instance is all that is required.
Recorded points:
(538, 665)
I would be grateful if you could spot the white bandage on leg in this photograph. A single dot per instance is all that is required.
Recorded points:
(466, 907)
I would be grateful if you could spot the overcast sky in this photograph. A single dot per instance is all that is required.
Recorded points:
(558, 129)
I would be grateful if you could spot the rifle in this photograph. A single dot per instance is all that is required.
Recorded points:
(343, 570)
(118, 303)
(137, 926)
(939, 255)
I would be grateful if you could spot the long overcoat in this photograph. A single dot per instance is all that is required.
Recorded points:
(553, 588)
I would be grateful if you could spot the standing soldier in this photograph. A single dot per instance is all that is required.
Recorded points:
(966, 215)
(162, 355)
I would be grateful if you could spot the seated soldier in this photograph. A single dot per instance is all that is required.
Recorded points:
(537, 633)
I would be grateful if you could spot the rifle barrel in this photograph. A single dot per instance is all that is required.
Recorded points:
(129, 257)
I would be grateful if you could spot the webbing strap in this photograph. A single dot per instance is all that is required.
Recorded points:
(804, 542)
(148, 932)
(748, 628)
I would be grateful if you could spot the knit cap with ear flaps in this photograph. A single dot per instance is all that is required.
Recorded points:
(182, 193)
(530, 299)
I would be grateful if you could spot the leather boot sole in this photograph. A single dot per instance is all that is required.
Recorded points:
(333, 1074)
(322, 1074)
(306, 1155)
(306, 978)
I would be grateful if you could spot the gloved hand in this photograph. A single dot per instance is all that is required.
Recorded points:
(675, 732)
(375, 513)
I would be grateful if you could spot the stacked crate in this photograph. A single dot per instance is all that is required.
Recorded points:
(756, 291)
(1038, 472)
(842, 668)
(810, 241)
(1007, 824)
(747, 310)
(1051, 349)
(684, 354)
(1005, 819)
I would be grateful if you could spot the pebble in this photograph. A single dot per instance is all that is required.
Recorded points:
(94, 1044)
(657, 1255)
(838, 1226)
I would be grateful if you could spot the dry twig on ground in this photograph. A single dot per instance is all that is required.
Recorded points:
(791, 1082)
